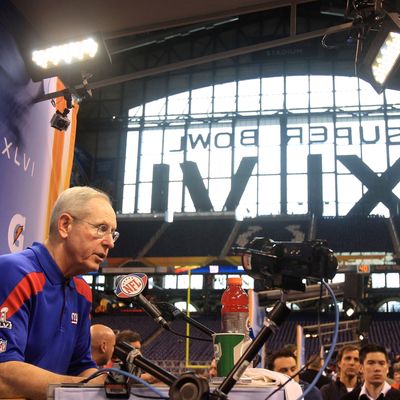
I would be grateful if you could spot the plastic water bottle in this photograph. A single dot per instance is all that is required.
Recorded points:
(235, 307)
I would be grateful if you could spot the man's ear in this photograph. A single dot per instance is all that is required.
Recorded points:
(64, 225)
(103, 346)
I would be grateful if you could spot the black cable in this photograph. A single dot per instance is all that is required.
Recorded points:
(94, 375)
(148, 397)
(189, 337)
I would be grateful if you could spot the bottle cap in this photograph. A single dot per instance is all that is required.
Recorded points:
(235, 281)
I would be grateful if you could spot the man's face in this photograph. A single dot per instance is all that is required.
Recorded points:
(286, 365)
(212, 372)
(375, 368)
(85, 248)
(136, 345)
(349, 365)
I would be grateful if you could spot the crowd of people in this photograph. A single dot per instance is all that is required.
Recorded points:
(364, 373)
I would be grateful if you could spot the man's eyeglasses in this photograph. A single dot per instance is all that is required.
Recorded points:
(102, 229)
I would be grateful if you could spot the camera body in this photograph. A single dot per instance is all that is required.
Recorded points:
(285, 264)
(60, 120)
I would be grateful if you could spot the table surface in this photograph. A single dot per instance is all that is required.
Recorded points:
(96, 392)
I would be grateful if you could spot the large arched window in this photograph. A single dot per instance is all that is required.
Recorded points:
(390, 306)
(279, 121)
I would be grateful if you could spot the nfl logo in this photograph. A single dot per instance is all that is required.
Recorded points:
(130, 285)
(3, 345)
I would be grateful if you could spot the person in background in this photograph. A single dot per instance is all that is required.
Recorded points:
(131, 337)
(103, 343)
(285, 362)
(135, 340)
(396, 376)
(212, 372)
(45, 305)
(314, 365)
(374, 367)
(348, 378)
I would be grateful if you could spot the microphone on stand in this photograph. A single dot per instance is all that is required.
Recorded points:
(131, 287)
(133, 357)
(170, 312)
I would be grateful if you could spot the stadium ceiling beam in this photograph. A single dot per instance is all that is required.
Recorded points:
(200, 60)
(234, 12)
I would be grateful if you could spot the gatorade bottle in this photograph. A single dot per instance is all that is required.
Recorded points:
(235, 307)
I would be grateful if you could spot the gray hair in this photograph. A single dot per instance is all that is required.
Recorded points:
(74, 200)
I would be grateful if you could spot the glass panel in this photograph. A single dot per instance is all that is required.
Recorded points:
(198, 145)
(349, 192)
(269, 195)
(170, 282)
(173, 151)
(269, 158)
(196, 282)
(297, 159)
(249, 95)
(272, 97)
(338, 278)
(128, 200)
(131, 157)
(202, 101)
(369, 96)
(221, 151)
(328, 194)
(219, 282)
(321, 91)
(248, 202)
(297, 194)
(393, 306)
(88, 279)
(378, 281)
(225, 97)
(297, 92)
(392, 96)
(178, 104)
(182, 306)
(392, 280)
(188, 205)
(144, 198)
(246, 141)
(374, 155)
(174, 196)
(218, 192)
(346, 92)
(394, 131)
(155, 108)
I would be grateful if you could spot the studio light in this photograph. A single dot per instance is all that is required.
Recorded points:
(69, 60)
(380, 55)
(68, 53)
(386, 58)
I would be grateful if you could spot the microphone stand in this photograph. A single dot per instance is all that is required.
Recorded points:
(192, 387)
(170, 312)
(128, 354)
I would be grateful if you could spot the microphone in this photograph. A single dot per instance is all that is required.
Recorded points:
(132, 357)
(131, 287)
(170, 312)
